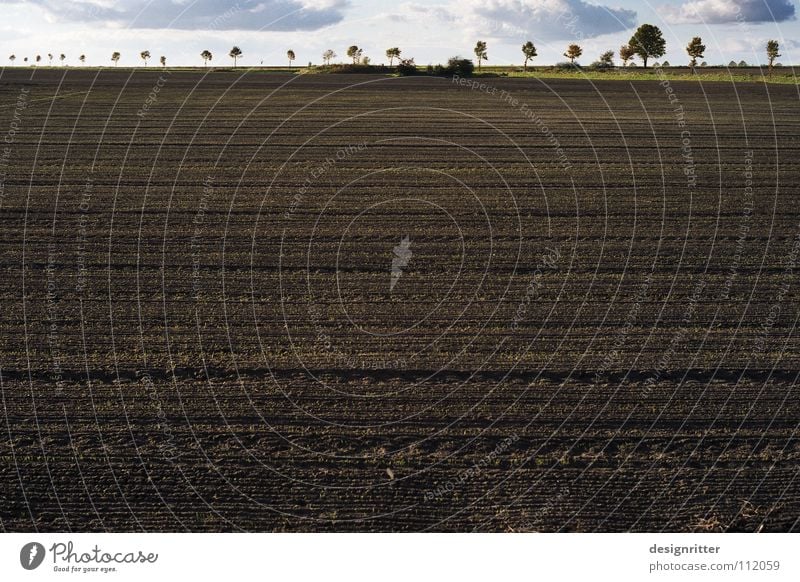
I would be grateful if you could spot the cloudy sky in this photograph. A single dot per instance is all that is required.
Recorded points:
(428, 30)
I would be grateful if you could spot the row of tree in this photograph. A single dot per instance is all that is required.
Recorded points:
(646, 43)
(38, 58)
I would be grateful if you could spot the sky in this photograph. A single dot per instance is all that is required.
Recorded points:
(430, 32)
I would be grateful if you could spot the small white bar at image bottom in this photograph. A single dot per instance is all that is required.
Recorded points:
(399, 557)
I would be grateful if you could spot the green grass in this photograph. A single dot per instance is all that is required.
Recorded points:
(784, 75)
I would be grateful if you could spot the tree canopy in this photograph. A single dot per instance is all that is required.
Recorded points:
(235, 53)
(355, 53)
(392, 54)
(773, 53)
(648, 42)
(480, 52)
(574, 51)
(529, 50)
(695, 49)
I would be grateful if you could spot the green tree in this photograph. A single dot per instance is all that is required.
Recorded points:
(163, 60)
(406, 67)
(648, 42)
(606, 60)
(50, 58)
(529, 50)
(82, 59)
(235, 53)
(695, 49)
(355, 53)
(12, 58)
(773, 53)
(206, 56)
(574, 51)
(115, 57)
(480, 52)
(62, 57)
(291, 56)
(392, 54)
(145, 56)
(38, 58)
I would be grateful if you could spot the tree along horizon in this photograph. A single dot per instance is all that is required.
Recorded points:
(648, 42)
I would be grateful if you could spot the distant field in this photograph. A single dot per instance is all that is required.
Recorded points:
(781, 74)
(212, 321)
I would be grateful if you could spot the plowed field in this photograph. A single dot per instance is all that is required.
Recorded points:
(251, 301)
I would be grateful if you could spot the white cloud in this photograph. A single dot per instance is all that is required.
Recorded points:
(537, 19)
(274, 15)
(722, 11)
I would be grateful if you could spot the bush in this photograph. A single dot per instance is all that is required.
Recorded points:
(456, 66)
(354, 68)
(407, 68)
(567, 66)
(460, 67)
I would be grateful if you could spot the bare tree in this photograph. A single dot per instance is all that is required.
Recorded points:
(328, 56)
